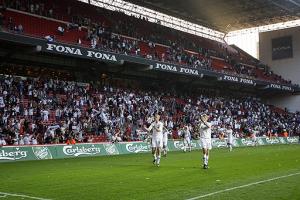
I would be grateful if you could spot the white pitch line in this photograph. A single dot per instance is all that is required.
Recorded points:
(21, 195)
(243, 186)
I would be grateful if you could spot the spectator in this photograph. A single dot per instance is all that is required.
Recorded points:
(26, 139)
(79, 41)
(117, 136)
(61, 30)
(10, 24)
(31, 8)
(21, 140)
(49, 38)
(34, 140)
(50, 12)
(20, 29)
(93, 43)
(1, 20)
(70, 141)
(2, 141)
(37, 8)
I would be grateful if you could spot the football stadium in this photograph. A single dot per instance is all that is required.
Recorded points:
(149, 99)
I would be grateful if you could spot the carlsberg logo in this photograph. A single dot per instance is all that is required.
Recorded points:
(219, 143)
(180, 145)
(111, 149)
(260, 141)
(136, 148)
(247, 142)
(272, 141)
(42, 153)
(80, 150)
(292, 139)
(16, 154)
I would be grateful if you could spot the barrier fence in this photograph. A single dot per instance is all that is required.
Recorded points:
(43, 152)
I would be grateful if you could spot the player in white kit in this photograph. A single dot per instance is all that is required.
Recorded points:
(165, 142)
(205, 138)
(229, 133)
(157, 138)
(254, 138)
(187, 138)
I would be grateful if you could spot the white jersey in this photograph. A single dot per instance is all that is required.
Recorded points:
(165, 133)
(186, 133)
(157, 129)
(187, 137)
(205, 131)
(229, 134)
(165, 138)
(2, 142)
(157, 134)
(254, 135)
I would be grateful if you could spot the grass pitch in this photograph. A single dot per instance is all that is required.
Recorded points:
(180, 176)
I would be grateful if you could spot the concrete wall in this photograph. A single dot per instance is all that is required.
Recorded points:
(288, 68)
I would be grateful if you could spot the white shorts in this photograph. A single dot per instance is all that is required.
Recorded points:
(187, 140)
(157, 142)
(206, 143)
(165, 140)
(230, 140)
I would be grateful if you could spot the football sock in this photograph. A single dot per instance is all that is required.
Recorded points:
(154, 156)
(158, 159)
(206, 159)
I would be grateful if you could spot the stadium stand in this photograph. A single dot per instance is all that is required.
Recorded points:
(44, 106)
(114, 31)
(47, 110)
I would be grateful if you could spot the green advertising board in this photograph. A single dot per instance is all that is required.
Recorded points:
(179, 145)
(111, 149)
(44, 152)
(79, 150)
(134, 147)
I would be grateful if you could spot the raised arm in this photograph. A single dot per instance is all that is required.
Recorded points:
(149, 128)
(207, 125)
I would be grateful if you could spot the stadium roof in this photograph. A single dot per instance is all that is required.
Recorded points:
(227, 15)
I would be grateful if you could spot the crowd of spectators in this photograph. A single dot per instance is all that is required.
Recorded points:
(47, 111)
(11, 26)
(34, 7)
(1, 20)
(104, 39)
(121, 33)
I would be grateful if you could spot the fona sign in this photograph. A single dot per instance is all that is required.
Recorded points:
(79, 52)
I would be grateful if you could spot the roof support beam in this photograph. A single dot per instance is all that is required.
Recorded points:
(280, 6)
(294, 2)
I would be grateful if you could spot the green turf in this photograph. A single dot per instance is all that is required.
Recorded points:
(179, 176)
